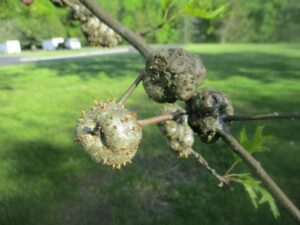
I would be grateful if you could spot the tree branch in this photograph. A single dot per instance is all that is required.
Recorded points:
(152, 29)
(270, 116)
(131, 89)
(166, 19)
(257, 169)
(203, 162)
(160, 118)
(135, 40)
(158, 26)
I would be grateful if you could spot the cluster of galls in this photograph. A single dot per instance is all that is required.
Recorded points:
(207, 110)
(110, 133)
(174, 74)
(96, 32)
(178, 132)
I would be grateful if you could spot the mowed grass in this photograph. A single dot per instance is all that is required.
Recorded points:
(45, 177)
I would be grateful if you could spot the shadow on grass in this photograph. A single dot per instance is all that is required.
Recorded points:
(42, 176)
(43, 189)
(113, 66)
(223, 65)
(259, 66)
(156, 188)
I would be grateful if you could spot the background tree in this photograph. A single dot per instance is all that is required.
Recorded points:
(31, 24)
(261, 21)
(242, 21)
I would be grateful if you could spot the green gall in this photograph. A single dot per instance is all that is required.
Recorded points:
(109, 133)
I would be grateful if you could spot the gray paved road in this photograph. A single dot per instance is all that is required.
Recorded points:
(10, 60)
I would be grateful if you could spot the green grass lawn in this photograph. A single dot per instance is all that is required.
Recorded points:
(45, 178)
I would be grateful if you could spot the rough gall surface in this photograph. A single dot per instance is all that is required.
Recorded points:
(109, 133)
(173, 74)
(206, 109)
(178, 132)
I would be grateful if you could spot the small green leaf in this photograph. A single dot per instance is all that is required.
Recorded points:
(257, 143)
(267, 197)
(243, 136)
(164, 4)
(204, 9)
(257, 193)
(251, 193)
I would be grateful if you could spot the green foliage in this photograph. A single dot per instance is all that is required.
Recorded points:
(165, 4)
(256, 192)
(204, 9)
(141, 15)
(198, 8)
(190, 12)
(31, 24)
(238, 20)
(257, 143)
(261, 21)
(197, 20)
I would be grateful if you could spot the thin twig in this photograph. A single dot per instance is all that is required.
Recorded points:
(232, 167)
(295, 115)
(257, 169)
(203, 162)
(135, 40)
(131, 88)
(160, 118)
(158, 26)
(152, 29)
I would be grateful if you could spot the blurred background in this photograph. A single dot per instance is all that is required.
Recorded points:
(255, 21)
(251, 51)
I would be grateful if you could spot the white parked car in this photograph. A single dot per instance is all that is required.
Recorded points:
(53, 43)
(10, 47)
(73, 43)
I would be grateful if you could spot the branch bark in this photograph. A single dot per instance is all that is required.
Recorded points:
(258, 170)
(152, 29)
(135, 40)
(158, 26)
(160, 118)
(131, 89)
(203, 162)
(270, 116)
